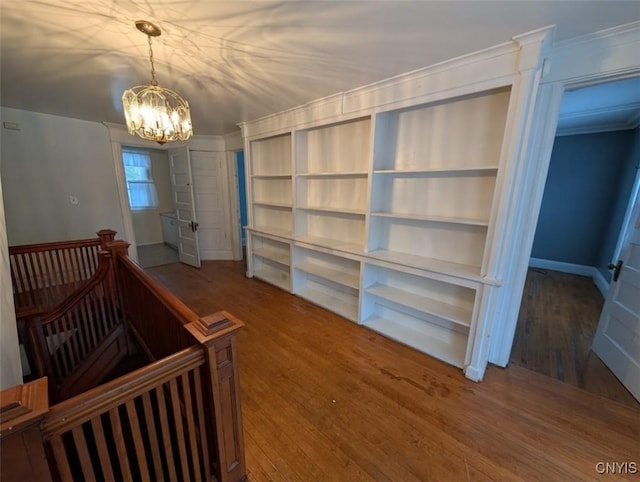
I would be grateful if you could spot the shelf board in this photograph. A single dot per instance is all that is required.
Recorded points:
(437, 170)
(267, 230)
(455, 314)
(330, 303)
(429, 264)
(333, 174)
(271, 176)
(331, 244)
(436, 219)
(281, 281)
(273, 205)
(450, 351)
(273, 255)
(350, 212)
(349, 280)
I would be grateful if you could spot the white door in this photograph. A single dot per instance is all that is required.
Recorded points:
(617, 339)
(182, 190)
(211, 191)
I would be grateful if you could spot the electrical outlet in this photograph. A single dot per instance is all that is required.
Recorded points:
(14, 126)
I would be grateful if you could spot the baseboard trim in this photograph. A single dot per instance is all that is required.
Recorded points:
(571, 268)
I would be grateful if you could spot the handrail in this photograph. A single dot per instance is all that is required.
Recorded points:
(82, 338)
(43, 274)
(39, 247)
(81, 408)
(74, 298)
(162, 403)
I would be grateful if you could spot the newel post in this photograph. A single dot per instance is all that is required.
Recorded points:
(22, 452)
(217, 334)
(106, 236)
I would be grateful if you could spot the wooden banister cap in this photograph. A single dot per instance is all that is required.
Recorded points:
(107, 232)
(23, 405)
(214, 325)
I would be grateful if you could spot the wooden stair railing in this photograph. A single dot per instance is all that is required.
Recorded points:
(42, 275)
(177, 419)
(80, 341)
(170, 420)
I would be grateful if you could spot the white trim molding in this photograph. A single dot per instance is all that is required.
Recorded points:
(579, 269)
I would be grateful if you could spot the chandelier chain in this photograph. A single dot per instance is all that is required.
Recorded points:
(153, 67)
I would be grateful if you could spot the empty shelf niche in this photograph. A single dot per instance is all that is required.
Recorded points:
(274, 219)
(271, 260)
(328, 281)
(460, 196)
(271, 156)
(466, 132)
(430, 315)
(272, 191)
(341, 194)
(337, 148)
(334, 230)
(445, 247)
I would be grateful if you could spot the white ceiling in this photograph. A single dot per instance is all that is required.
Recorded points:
(238, 60)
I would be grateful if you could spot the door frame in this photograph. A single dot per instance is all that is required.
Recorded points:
(120, 137)
(596, 58)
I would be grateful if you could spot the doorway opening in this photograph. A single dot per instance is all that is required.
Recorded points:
(242, 200)
(590, 186)
(151, 205)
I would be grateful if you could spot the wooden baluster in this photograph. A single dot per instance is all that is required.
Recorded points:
(217, 334)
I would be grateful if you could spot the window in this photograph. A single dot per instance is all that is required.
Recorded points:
(140, 187)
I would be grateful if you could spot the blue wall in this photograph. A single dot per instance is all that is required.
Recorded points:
(626, 179)
(587, 179)
(242, 189)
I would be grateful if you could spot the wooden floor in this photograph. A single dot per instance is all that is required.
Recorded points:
(557, 321)
(325, 399)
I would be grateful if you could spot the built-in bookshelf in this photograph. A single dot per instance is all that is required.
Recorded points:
(385, 219)
(271, 260)
(328, 280)
(428, 314)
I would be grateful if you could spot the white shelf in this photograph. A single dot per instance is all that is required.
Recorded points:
(429, 264)
(437, 170)
(347, 211)
(335, 305)
(450, 348)
(341, 277)
(272, 276)
(273, 255)
(331, 244)
(280, 233)
(271, 176)
(459, 315)
(273, 205)
(333, 174)
(436, 219)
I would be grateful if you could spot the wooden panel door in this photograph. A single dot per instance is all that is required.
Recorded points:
(617, 339)
(213, 210)
(183, 199)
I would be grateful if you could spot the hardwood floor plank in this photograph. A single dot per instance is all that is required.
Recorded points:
(557, 321)
(326, 399)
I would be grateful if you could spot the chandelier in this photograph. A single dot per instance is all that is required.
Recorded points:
(153, 112)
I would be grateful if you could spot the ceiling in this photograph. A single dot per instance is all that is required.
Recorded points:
(240, 60)
(605, 107)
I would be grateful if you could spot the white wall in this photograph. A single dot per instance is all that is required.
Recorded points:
(48, 160)
(10, 369)
(146, 222)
